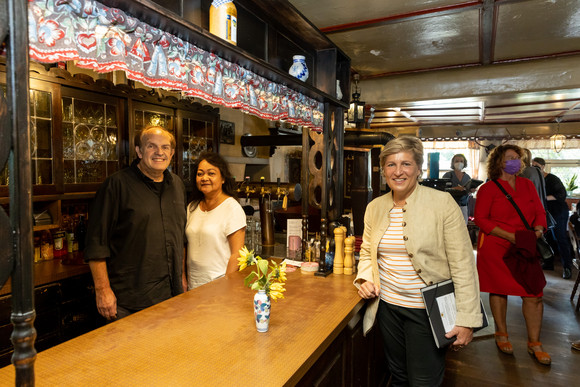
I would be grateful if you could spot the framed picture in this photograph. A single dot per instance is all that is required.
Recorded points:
(227, 132)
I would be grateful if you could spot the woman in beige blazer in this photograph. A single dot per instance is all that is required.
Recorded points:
(414, 236)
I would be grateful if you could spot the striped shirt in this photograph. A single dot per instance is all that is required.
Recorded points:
(400, 284)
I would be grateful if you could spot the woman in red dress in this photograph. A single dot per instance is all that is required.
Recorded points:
(498, 221)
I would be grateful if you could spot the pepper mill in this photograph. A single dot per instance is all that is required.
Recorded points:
(338, 251)
(348, 255)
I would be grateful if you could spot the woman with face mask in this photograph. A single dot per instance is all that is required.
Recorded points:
(459, 180)
(501, 227)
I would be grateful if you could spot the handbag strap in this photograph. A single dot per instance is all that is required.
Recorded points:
(511, 200)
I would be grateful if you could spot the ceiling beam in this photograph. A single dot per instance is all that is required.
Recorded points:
(488, 16)
(506, 78)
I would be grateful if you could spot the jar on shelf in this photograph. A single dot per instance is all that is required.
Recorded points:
(298, 68)
(223, 20)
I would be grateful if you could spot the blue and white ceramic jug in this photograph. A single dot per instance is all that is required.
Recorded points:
(298, 68)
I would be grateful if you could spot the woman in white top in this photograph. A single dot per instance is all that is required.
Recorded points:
(216, 223)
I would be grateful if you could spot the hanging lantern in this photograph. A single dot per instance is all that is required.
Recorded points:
(558, 141)
(356, 110)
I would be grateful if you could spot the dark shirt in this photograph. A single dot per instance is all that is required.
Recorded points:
(139, 226)
(461, 197)
(555, 188)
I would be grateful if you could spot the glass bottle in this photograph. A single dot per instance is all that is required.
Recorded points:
(223, 20)
(329, 257)
(46, 246)
(59, 240)
(37, 256)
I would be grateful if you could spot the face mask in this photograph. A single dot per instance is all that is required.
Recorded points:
(512, 166)
(458, 166)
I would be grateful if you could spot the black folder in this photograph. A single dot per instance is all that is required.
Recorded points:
(436, 316)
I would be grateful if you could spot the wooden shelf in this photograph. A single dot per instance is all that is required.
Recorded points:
(43, 227)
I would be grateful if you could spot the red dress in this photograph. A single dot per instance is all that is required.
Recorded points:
(493, 209)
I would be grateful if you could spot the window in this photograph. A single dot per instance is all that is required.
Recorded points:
(446, 150)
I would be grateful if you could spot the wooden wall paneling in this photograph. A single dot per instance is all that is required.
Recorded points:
(325, 75)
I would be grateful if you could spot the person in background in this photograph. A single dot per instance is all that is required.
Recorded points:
(498, 222)
(535, 175)
(135, 235)
(459, 180)
(556, 199)
(408, 243)
(216, 223)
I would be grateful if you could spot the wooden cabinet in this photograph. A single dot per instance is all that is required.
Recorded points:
(82, 131)
(198, 132)
(91, 138)
(351, 359)
(64, 310)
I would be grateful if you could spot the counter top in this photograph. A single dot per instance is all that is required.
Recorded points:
(53, 270)
(207, 336)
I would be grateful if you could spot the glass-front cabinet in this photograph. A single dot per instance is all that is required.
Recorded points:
(90, 138)
(44, 150)
(82, 131)
(198, 134)
(41, 135)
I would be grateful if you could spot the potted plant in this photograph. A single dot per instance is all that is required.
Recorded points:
(571, 184)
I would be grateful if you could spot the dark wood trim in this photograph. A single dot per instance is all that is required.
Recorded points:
(23, 313)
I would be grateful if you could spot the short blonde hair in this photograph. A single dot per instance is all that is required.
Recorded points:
(403, 144)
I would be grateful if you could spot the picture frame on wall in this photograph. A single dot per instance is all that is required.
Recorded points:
(227, 132)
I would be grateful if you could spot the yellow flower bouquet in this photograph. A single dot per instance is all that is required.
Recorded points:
(268, 277)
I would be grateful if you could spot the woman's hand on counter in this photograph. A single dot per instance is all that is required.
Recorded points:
(368, 290)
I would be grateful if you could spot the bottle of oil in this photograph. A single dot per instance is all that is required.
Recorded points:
(223, 20)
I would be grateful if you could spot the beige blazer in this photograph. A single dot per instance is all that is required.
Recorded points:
(438, 243)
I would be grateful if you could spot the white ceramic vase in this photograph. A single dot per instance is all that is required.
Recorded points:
(298, 68)
(262, 311)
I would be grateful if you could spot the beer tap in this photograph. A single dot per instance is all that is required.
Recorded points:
(266, 218)
(277, 191)
(248, 190)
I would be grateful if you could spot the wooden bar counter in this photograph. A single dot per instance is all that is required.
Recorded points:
(208, 337)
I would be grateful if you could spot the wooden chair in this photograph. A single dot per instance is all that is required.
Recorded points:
(575, 241)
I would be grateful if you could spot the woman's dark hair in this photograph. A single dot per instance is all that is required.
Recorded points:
(495, 160)
(228, 187)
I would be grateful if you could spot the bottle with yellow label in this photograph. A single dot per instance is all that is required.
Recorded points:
(223, 20)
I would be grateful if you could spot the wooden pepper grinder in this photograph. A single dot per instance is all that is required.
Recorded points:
(348, 255)
(338, 251)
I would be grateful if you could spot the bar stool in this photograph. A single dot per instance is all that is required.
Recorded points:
(575, 241)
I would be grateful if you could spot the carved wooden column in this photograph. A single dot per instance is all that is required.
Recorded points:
(20, 187)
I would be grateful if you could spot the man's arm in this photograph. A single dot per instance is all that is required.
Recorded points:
(106, 300)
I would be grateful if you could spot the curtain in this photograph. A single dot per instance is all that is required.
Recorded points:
(106, 39)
